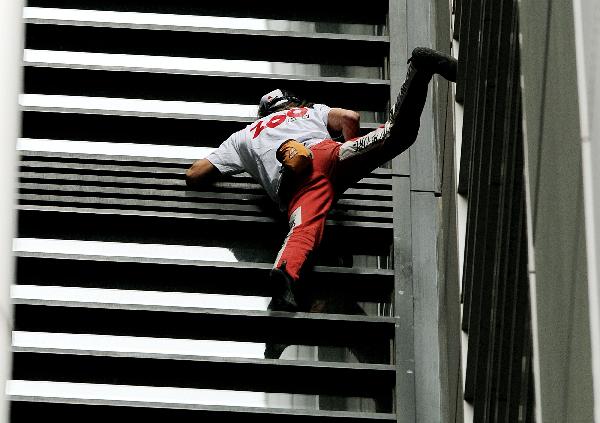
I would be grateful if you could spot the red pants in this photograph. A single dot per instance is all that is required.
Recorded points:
(308, 208)
(337, 166)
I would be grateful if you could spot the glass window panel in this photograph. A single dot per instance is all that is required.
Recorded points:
(195, 21)
(122, 249)
(129, 296)
(113, 149)
(193, 347)
(152, 394)
(199, 64)
(140, 106)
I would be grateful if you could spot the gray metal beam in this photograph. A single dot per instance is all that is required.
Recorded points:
(423, 163)
(27, 408)
(404, 303)
(257, 375)
(416, 187)
(403, 295)
(425, 230)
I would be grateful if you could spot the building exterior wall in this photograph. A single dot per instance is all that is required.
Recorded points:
(11, 36)
(498, 384)
(428, 191)
(111, 122)
(587, 37)
(558, 264)
(522, 119)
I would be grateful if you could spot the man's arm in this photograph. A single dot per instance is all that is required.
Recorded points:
(201, 173)
(345, 121)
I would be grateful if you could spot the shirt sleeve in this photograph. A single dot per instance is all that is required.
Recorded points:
(226, 158)
(322, 112)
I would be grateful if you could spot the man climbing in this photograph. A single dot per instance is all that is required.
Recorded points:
(289, 151)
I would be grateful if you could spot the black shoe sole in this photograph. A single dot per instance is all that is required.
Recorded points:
(433, 61)
(274, 351)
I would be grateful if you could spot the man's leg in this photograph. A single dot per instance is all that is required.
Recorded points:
(360, 156)
(307, 223)
(307, 212)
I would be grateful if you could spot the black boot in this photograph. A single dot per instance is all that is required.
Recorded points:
(428, 60)
(282, 286)
(273, 350)
(406, 110)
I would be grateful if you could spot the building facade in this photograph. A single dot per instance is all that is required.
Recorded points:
(456, 283)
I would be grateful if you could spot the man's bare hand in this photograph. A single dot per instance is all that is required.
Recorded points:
(201, 173)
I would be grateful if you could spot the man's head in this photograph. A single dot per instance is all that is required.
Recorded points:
(276, 100)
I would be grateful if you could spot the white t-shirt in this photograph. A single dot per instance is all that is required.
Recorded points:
(253, 148)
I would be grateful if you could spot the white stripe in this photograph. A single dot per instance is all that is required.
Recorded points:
(113, 149)
(137, 105)
(364, 145)
(586, 97)
(134, 297)
(133, 344)
(162, 19)
(295, 220)
(148, 394)
(151, 62)
(108, 17)
(122, 249)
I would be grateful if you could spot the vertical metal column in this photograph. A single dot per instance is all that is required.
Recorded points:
(425, 211)
(417, 228)
(403, 299)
